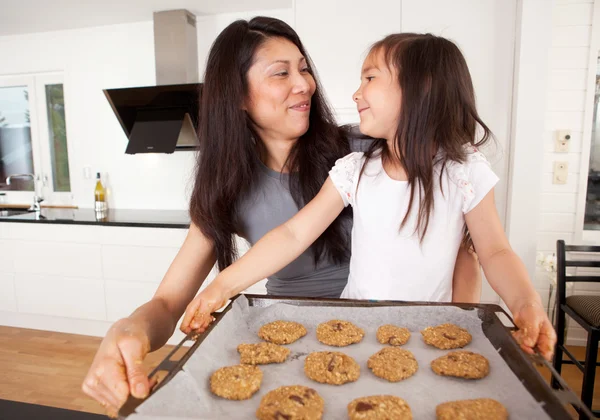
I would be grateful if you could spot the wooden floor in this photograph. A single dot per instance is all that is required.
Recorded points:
(47, 368)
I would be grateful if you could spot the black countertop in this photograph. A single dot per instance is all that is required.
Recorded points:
(132, 218)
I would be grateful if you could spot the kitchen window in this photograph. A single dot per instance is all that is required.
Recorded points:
(33, 137)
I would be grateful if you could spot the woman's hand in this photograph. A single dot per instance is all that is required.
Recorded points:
(117, 368)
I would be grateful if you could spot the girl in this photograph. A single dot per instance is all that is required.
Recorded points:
(413, 192)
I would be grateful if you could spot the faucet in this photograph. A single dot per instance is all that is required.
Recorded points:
(36, 199)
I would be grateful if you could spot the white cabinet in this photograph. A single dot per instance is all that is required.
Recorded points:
(8, 299)
(77, 278)
(55, 233)
(123, 297)
(141, 236)
(7, 258)
(71, 297)
(67, 259)
(80, 279)
(137, 263)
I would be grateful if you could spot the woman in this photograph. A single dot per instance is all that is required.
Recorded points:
(267, 142)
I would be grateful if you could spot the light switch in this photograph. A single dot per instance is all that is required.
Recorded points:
(87, 172)
(562, 141)
(561, 171)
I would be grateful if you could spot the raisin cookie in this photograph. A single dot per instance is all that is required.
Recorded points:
(329, 367)
(393, 364)
(479, 409)
(291, 403)
(462, 364)
(339, 333)
(379, 407)
(446, 336)
(282, 332)
(262, 353)
(392, 335)
(238, 382)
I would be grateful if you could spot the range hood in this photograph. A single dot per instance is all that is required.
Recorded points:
(164, 118)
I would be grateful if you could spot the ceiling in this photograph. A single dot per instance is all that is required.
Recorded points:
(27, 16)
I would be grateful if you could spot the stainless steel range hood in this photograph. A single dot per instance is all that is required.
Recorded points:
(164, 118)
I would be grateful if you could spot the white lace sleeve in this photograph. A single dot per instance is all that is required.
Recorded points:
(474, 178)
(344, 175)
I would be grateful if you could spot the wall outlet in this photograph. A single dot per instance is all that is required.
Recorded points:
(87, 172)
(562, 141)
(561, 171)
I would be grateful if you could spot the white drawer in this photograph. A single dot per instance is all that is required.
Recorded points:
(145, 264)
(61, 296)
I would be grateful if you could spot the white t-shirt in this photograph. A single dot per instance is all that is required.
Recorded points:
(390, 263)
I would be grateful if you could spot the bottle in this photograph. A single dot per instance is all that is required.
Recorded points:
(100, 205)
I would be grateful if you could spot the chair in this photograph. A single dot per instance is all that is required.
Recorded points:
(583, 309)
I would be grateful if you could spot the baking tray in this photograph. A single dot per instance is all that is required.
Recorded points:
(552, 401)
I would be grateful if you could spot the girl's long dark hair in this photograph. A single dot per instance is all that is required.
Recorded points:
(438, 114)
(227, 161)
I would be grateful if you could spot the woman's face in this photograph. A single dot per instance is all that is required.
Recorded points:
(280, 88)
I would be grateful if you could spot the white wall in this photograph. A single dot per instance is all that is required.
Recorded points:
(112, 57)
(568, 79)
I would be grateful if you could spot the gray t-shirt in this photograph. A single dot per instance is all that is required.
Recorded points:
(270, 204)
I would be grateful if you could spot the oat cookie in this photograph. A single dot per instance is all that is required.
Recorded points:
(393, 364)
(331, 367)
(238, 382)
(291, 403)
(339, 333)
(446, 336)
(282, 332)
(262, 353)
(392, 335)
(462, 364)
(379, 407)
(479, 409)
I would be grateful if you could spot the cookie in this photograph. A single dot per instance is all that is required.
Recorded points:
(291, 403)
(339, 333)
(282, 332)
(262, 353)
(392, 335)
(393, 364)
(446, 336)
(462, 364)
(379, 407)
(331, 367)
(238, 382)
(479, 409)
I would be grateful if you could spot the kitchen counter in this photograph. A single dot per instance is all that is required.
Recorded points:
(115, 217)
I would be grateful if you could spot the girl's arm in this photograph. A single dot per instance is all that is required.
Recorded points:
(507, 275)
(270, 254)
(466, 281)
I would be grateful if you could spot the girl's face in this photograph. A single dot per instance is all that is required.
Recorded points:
(280, 87)
(378, 98)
